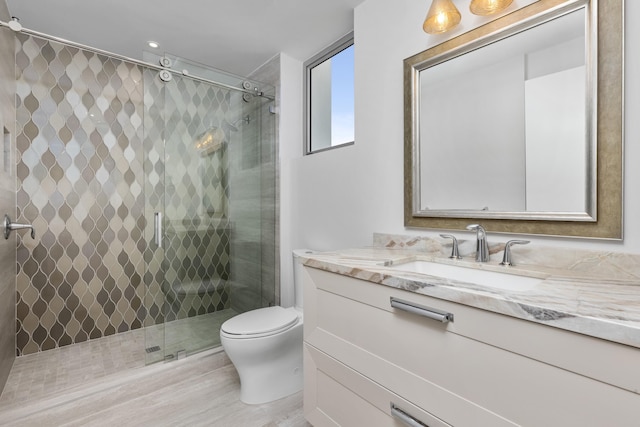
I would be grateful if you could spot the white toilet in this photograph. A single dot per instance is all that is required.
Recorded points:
(265, 346)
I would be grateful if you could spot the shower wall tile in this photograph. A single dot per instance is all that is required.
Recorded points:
(80, 183)
(103, 145)
(188, 275)
(154, 96)
(7, 199)
(242, 123)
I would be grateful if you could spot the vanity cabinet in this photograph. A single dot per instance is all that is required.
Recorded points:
(369, 363)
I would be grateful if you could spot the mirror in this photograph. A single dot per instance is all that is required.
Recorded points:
(505, 125)
(496, 113)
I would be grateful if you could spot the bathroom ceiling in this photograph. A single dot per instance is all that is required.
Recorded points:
(232, 35)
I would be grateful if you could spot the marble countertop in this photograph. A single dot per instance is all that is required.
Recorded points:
(592, 294)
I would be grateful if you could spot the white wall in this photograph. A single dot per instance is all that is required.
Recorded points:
(556, 182)
(486, 149)
(337, 199)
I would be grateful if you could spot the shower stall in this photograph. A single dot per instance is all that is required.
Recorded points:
(152, 192)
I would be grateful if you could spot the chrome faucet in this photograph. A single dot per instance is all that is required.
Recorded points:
(455, 253)
(506, 259)
(482, 247)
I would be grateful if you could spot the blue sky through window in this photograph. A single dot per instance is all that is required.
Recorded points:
(342, 95)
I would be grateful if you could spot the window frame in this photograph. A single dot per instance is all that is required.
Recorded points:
(335, 48)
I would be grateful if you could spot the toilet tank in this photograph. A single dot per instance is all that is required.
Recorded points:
(297, 275)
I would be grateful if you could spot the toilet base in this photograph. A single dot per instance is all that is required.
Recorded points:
(253, 391)
(269, 373)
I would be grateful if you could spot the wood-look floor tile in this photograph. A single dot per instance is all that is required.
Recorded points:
(201, 390)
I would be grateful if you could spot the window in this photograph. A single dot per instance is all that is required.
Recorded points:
(329, 103)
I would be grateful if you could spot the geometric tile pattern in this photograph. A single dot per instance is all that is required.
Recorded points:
(80, 183)
(92, 137)
(249, 127)
(189, 275)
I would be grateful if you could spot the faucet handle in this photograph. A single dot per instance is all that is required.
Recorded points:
(506, 259)
(454, 250)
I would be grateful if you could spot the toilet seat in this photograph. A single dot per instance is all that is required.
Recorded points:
(260, 323)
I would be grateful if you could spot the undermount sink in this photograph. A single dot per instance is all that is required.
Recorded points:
(492, 279)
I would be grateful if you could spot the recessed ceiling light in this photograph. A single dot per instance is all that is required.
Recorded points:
(153, 44)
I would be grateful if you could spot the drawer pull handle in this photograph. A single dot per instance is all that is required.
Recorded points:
(431, 313)
(406, 419)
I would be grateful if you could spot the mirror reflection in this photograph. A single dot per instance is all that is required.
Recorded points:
(504, 129)
(518, 124)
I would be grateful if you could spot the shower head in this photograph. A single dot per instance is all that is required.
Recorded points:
(234, 126)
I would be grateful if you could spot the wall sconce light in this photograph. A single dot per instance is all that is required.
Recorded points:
(488, 7)
(442, 16)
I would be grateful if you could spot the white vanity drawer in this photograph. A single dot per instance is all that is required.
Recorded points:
(605, 361)
(343, 397)
(435, 366)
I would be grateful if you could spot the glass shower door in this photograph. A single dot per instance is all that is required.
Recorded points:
(197, 230)
(204, 193)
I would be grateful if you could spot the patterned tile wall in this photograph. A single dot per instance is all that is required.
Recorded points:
(83, 150)
(194, 197)
(249, 127)
(79, 177)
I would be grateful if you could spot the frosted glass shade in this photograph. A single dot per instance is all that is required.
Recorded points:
(442, 16)
(488, 7)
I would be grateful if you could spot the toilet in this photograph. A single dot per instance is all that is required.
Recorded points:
(265, 346)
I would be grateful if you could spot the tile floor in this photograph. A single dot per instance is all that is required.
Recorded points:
(41, 374)
(105, 383)
(191, 334)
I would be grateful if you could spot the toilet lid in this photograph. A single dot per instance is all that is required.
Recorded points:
(269, 320)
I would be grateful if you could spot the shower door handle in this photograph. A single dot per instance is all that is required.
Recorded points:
(157, 228)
